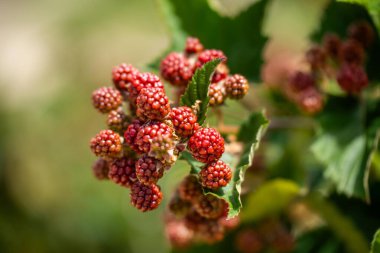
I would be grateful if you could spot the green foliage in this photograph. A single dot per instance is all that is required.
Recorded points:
(231, 192)
(196, 93)
(260, 203)
(375, 245)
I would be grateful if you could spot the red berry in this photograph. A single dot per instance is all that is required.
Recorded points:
(301, 81)
(176, 69)
(210, 207)
(184, 121)
(236, 86)
(178, 206)
(131, 133)
(106, 144)
(141, 81)
(206, 145)
(145, 197)
(221, 73)
(215, 175)
(310, 100)
(122, 171)
(231, 223)
(178, 234)
(352, 52)
(117, 121)
(331, 45)
(149, 170)
(216, 95)
(316, 57)
(190, 189)
(106, 99)
(100, 169)
(150, 131)
(209, 55)
(362, 32)
(193, 46)
(352, 78)
(249, 241)
(152, 103)
(123, 75)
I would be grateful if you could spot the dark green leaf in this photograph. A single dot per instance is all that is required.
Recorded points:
(197, 91)
(375, 245)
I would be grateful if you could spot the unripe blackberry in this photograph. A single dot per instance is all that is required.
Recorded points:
(209, 55)
(190, 189)
(100, 169)
(106, 99)
(310, 101)
(184, 121)
(301, 81)
(210, 207)
(176, 69)
(206, 145)
(149, 170)
(123, 75)
(152, 103)
(205, 230)
(249, 241)
(216, 95)
(362, 32)
(141, 81)
(117, 121)
(193, 46)
(131, 133)
(351, 52)
(106, 144)
(145, 197)
(178, 206)
(150, 131)
(221, 73)
(316, 57)
(352, 78)
(215, 175)
(122, 171)
(331, 45)
(178, 234)
(163, 148)
(236, 86)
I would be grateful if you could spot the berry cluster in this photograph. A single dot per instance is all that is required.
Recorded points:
(199, 217)
(178, 68)
(342, 60)
(140, 145)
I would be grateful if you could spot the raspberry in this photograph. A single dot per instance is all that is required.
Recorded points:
(106, 144)
(176, 69)
(193, 46)
(178, 206)
(178, 234)
(316, 57)
(331, 44)
(249, 241)
(131, 133)
(123, 75)
(210, 207)
(117, 121)
(152, 103)
(206, 145)
(148, 132)
(184, 121)
(215, 175)
(190, 189)
(143, 80)
(216, 95)
(301, 81)
(351, 52)
(145, 197)
(149, 170)
(106, 99)
(310, 100)
(209, 55)
(362, 32)
(352, 78)
(100, 169)
(122, 171)
(236, 86)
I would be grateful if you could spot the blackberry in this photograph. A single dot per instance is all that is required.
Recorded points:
(152, 103)
(100, 169)
(178, 206)
(210, 207)
(141, 81)
(106, 99)
(176, 69)
(331, 45)
(215, 175)
(117, 120)
(193, 46)
(221, 73)
(352, 78)
(310, 101)
(362, 32)
(123, 75)
(131, 133)
(209, 55)
(206, 145)
(145, 197)
(205, 230)
(301, 81)
(236, 86)
(216, 95)
(163, 148)
(351, 52)
(184, 121)
(148, 132)
(106, 144)
(122, 171)
(149, 170)
(316, 57)
(190, 189)
(249, 241)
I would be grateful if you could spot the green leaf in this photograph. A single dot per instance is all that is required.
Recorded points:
(239, 38)
(231, 192)
(197, 90)
(261, 204)
(375, 245)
